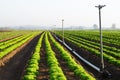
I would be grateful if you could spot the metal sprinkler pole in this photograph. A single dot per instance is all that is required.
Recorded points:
(101, 43)
(62, 30)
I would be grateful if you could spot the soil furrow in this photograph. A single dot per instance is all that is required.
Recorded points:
(68, 73)
(12, 70)
(43, 68)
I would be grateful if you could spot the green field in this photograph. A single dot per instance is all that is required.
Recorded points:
(37, 55)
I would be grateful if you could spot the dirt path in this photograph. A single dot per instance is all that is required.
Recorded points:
(43, 68)
(13, 68)
(68, 73)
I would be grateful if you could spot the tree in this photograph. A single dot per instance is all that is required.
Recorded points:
(95, 26)
(113, 26)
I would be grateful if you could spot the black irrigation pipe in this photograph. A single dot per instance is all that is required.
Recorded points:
(81, 58)
(104, 74)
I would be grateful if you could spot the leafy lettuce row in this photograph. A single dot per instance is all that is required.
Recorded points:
(72, 64)
(33, 64)
(55, 71)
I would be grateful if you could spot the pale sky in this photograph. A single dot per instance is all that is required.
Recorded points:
(51, 12)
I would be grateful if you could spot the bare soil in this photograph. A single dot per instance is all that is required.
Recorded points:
(43, 67)
(15, 61)
(68, 73)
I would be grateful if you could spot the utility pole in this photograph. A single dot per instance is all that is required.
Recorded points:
(63, 30)
(101, 43)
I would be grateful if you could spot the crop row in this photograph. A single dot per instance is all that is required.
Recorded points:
(94, 51)
(7, 48)
(10, 34)
(33, 64)
(9, 41)
(112, 35)
(55, 71)
(107, 49)
(111, 54)
(108, 37)
(4, 35)
(75, 67)
(7, 44)
(95, 43)
(109, 40)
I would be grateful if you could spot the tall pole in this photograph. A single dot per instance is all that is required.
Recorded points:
(101, 43)
(63, 30)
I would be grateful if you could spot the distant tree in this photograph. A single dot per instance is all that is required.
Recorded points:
(80, 27)
(113, 26)
(95, 26)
